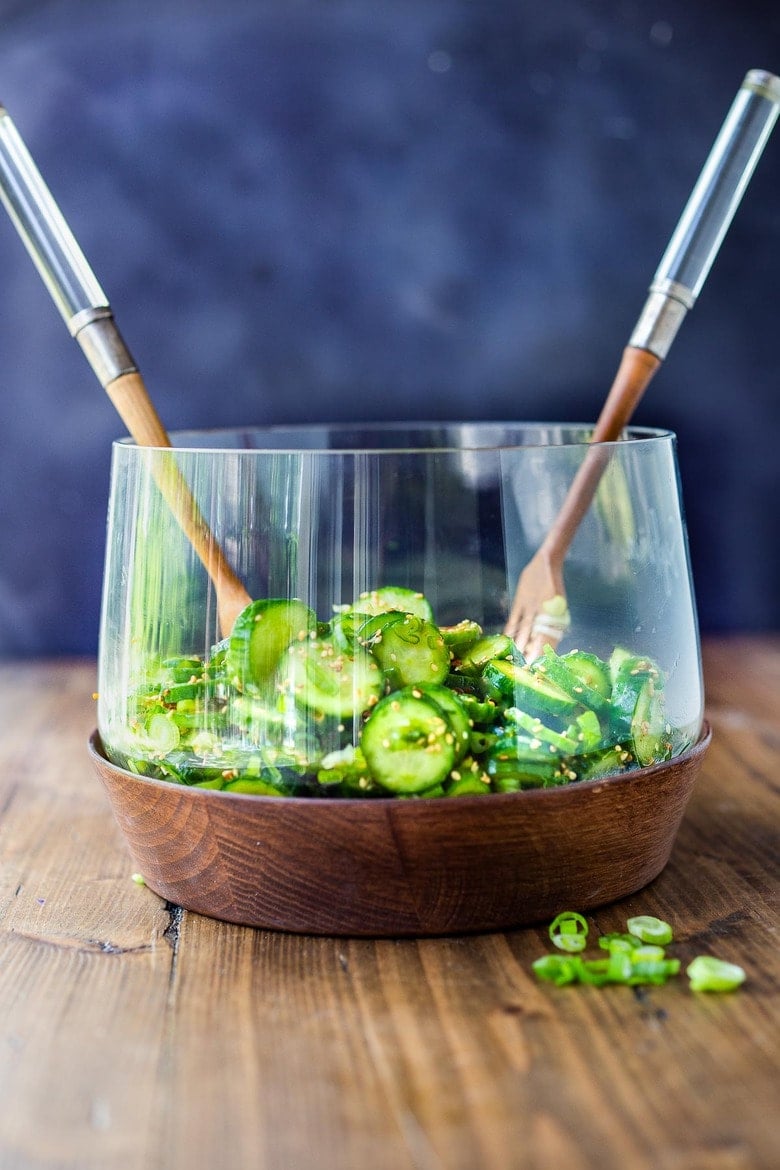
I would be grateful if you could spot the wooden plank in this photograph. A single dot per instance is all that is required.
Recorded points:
(84, 962)
(133, 1035)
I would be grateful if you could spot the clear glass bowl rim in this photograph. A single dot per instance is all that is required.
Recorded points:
(185, 440)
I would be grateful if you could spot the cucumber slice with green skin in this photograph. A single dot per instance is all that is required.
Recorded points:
(527, 689)
(468, 779)
(255, 786)
(634, 675)
(517, 775)
(180, 692)
(570, 675)
(260, 636)
(408, 744)
(650, 734)
(479, 710)
(514, 745)
(616, 660)
(183, 670)
(533, 726)
(637, 714)
(609, 762)
(345, 625)
(411, 650)
(320, 675)
(590, 670)
(451, 708)
(484, 650)
(461, 637)
(346, 773)
(370, 628)
(394, 597)
(586, 732)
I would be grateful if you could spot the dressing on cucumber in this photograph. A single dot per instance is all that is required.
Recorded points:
(380, 701)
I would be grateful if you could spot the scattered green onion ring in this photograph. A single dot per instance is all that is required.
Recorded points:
(636, 959)
(709, 974)
(557, 969)
(650, 930)
(615, 941)
(569, 932)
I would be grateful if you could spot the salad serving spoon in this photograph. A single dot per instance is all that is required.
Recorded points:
(539, 614)
(90, 320)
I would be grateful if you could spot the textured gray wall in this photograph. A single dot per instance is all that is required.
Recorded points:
(366, 209)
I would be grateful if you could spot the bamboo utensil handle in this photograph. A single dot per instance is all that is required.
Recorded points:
(87, 313)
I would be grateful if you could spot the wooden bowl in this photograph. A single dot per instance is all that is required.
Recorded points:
(388, 868)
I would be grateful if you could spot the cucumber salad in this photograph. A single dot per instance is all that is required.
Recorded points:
(380, 701)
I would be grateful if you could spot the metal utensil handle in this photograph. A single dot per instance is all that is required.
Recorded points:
(38, 220)
(61, 263)
(709, 211)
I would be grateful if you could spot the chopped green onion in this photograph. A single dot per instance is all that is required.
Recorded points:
(557, 969)
(597, 972)
(709, 974)
(650, 930)
(655, 971)
(615, 941)
(634, 960)
(647, 953)
(138, 878)
(569, 931)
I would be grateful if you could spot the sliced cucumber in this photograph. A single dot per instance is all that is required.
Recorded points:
(453, 710)
(608, 762)
(616, 660)
(532, 725)
(255, 786)
(375, 601)
(572, 672)
(261, 634)
(519, 745)
(527, 689)
(484, 650)
(411, 650)
(650, 734)
(345, 625)
(637, 712)
(516, 775)
(468, 779)
(182, 670)
(408, 744)
(590, 670)
(369, 628)
(320, 675)
(586, 732)
(461, 637)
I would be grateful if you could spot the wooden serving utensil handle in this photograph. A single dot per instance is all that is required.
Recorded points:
(134, 406)
(105, 350)
(636, 369)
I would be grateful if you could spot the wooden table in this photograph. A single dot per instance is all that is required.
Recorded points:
(134, 1035)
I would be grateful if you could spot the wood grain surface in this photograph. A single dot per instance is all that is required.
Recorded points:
(135, 1035)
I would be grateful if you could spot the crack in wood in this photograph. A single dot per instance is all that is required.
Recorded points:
(83, 946)
(172, 935)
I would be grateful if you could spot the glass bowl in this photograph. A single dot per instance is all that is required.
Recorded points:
(365, 750)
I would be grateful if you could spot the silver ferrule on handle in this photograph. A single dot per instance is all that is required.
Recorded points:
(104, 348)
(663, 314)
(708, 213)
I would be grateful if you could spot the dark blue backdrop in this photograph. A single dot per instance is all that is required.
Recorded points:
(341, 209)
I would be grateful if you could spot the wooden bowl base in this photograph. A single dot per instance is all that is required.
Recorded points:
(392, 868)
